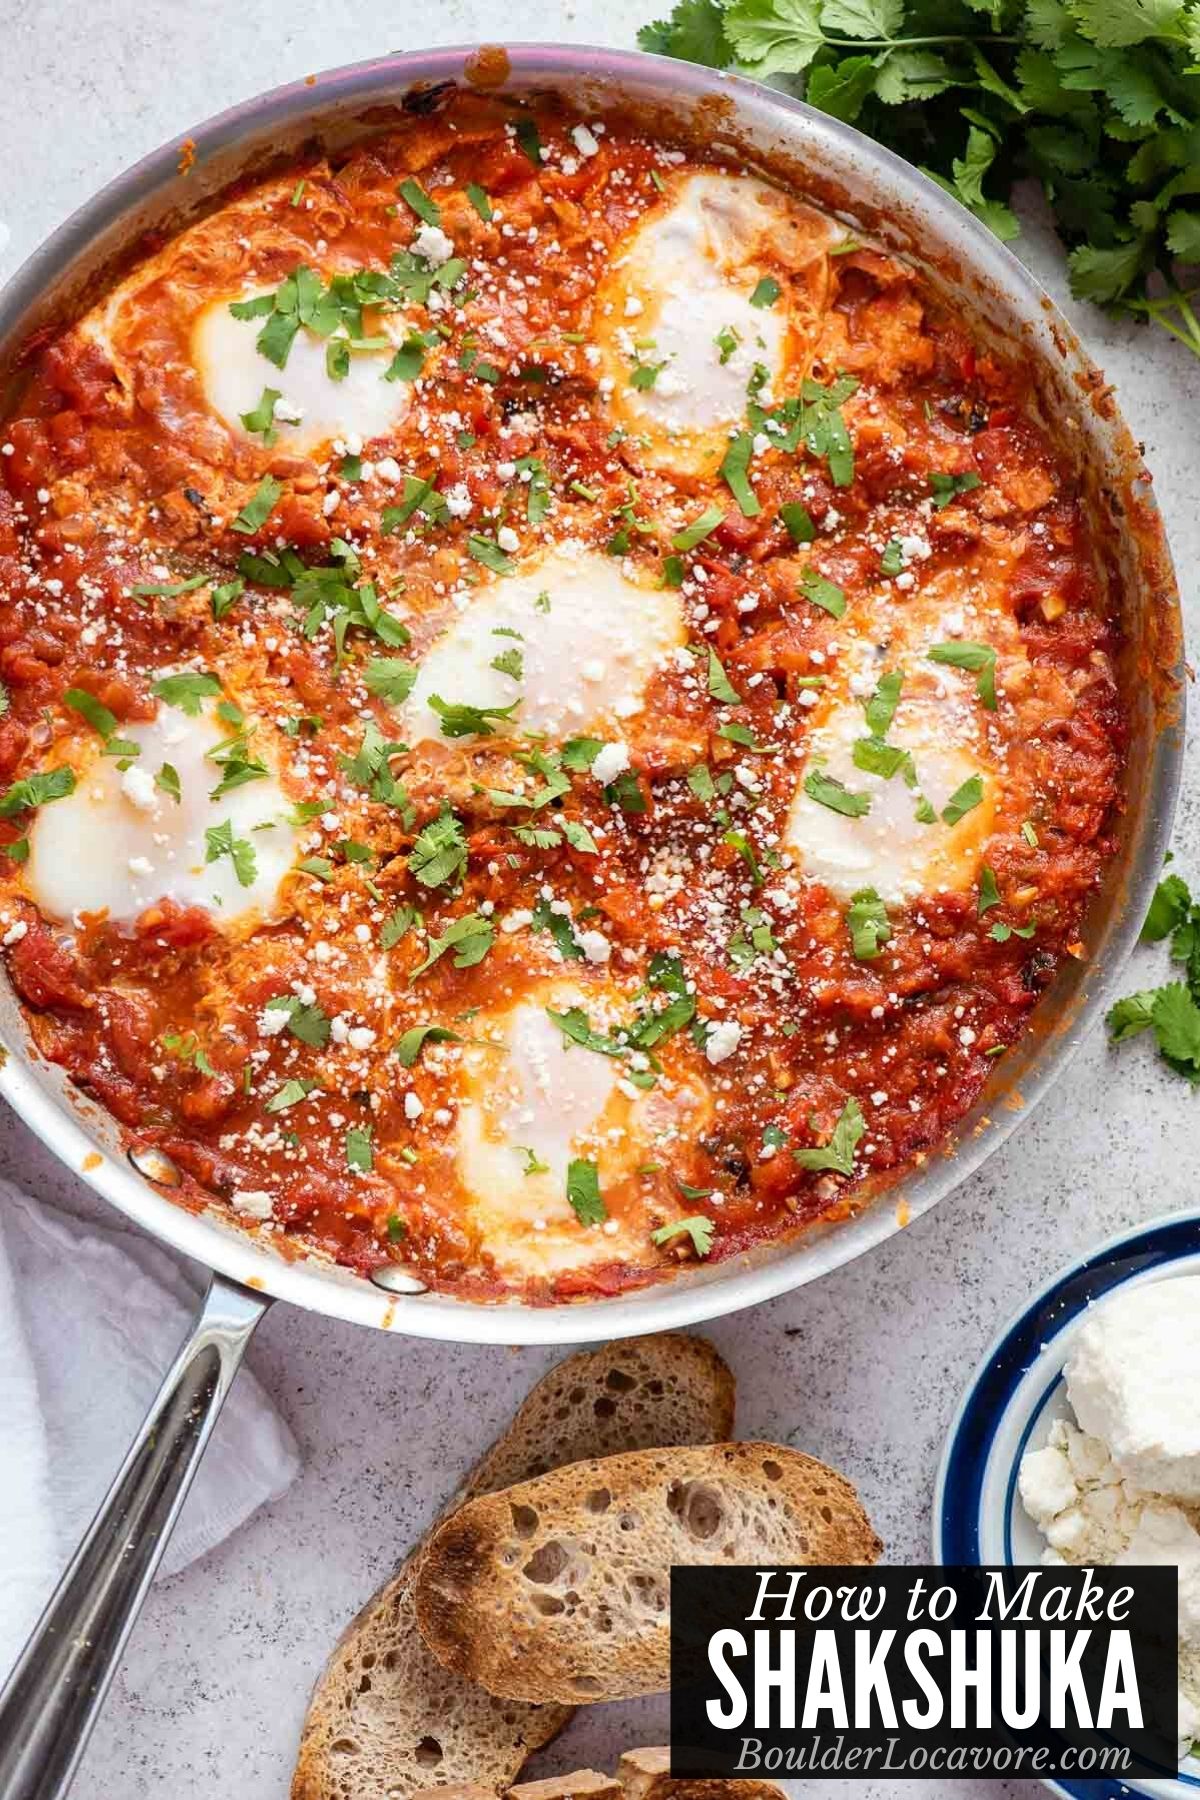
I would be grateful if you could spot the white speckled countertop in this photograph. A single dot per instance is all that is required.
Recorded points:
(862, 1369)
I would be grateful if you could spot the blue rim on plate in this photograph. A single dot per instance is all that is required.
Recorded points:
(963, 1507)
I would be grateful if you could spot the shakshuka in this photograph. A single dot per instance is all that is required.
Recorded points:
(558, 707)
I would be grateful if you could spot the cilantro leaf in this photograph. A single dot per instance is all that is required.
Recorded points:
(470, 937)
(36, 790)
(823, 593)
(735, 473)
(694, 32)
(977, 659)
(306, 1021)
(389, 677)
(1132, 1015)
(698, 530)
(360, 1154)
(826, 790)
(259, 507)
(219, 841)
(838, 1154)
(946, 488)
(963, 800)
(583, 1192)
(186, 690)
(414, 196)
(439, 852)
(799, 526)
(1169, 908)
(699, 1229)
(409, 1046)
(461, 720)
(486, 551)
(868, 923)
(719, 684)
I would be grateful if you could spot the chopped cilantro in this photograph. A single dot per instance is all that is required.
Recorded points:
(360, 1155)
(260, 420)
(526, 133)
(409, 1047)
(306, 1021)
(800, 527)
(735, 472)
(828, 791)
(470, 937)
(766, 293)
(963, 800)
(880, 709)
(946, 488)
(698, 530)
(488, 552)
(700, 780)
(719, 684)
(258, 508)
(976, 659)
(583, 1192)
(414, 196)
(396, 926)
(480, 201)
(870, 927)
(290, 1093)
(35, 791)
(167, 780)
(989, 893)
(823, 593)
(892, 560)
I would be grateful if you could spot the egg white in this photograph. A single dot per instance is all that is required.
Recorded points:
(233, 374)
(590, 638)
(943, 725)
(684, 278)
(525, 1088)
(99, 850)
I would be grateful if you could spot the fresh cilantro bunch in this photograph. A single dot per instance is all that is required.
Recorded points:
(1172, 1011)
(1099, 100)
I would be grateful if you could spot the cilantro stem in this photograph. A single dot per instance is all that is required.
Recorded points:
(907, 43)
(1176, 301)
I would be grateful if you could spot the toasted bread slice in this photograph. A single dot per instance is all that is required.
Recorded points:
(581, 1784)
(645, 1774)
(385, 1717)
(559, 1588)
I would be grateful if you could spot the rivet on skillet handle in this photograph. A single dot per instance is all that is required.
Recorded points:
(53, 1697)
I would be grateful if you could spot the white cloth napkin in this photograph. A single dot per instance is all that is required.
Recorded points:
(90, 1320)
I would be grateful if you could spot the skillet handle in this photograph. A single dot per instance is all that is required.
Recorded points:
(54, 1695)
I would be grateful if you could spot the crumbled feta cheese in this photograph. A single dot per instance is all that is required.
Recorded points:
(256, 1203)
(137, 785)
(723, 1039)
(432, 243)
(610, 761)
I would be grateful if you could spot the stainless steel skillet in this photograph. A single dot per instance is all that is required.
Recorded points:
(51, 1701)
